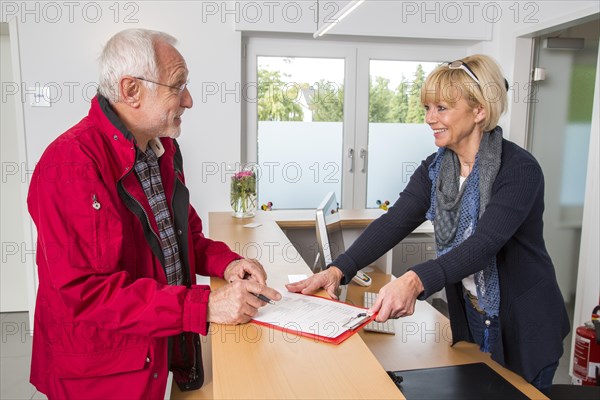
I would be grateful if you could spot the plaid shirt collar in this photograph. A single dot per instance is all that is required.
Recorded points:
(148, 173)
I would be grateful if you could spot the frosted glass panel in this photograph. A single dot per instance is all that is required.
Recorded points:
(300, 113)
(575, 157)
(300, 162)
(398, 137)
(395, 151)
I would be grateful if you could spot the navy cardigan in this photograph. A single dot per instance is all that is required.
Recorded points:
(533, 317)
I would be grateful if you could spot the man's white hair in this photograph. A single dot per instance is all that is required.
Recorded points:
(129, 52)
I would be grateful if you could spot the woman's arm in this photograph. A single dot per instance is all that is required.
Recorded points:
(407, 213)
(517, 186)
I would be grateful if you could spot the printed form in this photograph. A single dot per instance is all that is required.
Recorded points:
(311, 314)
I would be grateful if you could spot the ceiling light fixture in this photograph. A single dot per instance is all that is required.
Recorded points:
(344, 12)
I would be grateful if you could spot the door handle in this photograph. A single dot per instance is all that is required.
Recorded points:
(363, 155)
(351, 157)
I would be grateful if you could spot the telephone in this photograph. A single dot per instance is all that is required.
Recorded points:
(362, 279)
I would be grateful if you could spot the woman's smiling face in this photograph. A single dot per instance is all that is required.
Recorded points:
(454, 125)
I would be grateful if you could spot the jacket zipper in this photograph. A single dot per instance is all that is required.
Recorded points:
(139, 204)
(193, 375)
(185, 268)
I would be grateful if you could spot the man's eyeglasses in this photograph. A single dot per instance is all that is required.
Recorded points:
(179, 88)
(458, 64)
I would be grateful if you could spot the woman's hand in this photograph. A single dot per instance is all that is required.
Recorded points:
(397, 298)
(329, 280)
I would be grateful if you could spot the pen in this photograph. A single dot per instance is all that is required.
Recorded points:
(264, 298)
(360, 315)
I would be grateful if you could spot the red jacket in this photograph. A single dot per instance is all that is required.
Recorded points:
(106, 322)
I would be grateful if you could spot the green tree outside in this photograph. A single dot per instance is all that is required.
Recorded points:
(380, 100)
(416, 112)
(279, 101)
(399, 107)
(327, 102)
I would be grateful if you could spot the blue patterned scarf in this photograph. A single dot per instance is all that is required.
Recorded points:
(455, 210)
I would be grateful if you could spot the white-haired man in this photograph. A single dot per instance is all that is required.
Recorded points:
(119, 244)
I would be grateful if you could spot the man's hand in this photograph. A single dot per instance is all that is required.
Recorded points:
(236, 302)
(329, 280)
(397, 298)
(245, 269)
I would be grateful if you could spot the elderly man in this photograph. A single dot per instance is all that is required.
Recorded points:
(119, 244)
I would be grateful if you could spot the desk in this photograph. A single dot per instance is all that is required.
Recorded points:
(250, 361)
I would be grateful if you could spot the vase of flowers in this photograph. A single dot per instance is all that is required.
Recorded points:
(243, 194)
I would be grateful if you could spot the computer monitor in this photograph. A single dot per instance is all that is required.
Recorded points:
(330, 240)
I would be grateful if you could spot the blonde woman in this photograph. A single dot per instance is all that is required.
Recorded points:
(485, 197)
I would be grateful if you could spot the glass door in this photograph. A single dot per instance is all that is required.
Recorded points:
(300, 129)
(300, 122)
(398, 138)
(391, 135)
(560, 126)
(337, 116)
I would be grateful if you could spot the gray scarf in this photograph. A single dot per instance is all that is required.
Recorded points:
(455, 210)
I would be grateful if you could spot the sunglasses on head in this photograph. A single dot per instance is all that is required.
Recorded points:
(459, 64)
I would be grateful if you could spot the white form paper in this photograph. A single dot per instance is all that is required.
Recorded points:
(296, 278)
(311, 314)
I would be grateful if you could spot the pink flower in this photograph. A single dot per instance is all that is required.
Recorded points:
(243, 174)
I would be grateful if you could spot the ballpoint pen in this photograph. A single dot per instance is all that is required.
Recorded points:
(264, 298)
(361, 315)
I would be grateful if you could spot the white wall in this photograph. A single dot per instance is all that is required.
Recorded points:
(13, 273)
(59, 46)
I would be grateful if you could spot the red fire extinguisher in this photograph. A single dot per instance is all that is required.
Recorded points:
(586, 358)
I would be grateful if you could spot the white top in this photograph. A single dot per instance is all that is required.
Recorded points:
(469, 281)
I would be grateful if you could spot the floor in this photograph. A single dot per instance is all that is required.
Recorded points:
(15, 357)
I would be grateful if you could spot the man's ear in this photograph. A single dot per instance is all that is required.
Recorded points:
(130, 91)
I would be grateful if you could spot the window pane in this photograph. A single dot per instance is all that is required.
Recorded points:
(399, 139)
(300, 130)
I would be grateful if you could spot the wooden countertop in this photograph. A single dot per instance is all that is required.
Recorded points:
(255, 362)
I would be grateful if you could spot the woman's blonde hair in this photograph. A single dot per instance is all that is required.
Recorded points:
(451, 84)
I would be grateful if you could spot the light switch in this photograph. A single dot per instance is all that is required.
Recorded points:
(40, 96)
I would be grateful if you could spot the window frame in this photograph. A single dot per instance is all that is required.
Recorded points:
(406, 52)
(357, 55)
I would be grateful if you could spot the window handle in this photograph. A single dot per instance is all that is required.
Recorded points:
(363, 155)
(351, 157)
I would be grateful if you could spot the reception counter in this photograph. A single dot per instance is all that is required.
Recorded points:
(256, 362)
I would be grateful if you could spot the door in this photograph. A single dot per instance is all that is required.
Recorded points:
(345, 117)
(398, 138)
(15, 252)
(560, 126)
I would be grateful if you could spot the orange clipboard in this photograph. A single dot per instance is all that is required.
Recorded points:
(345, 331)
